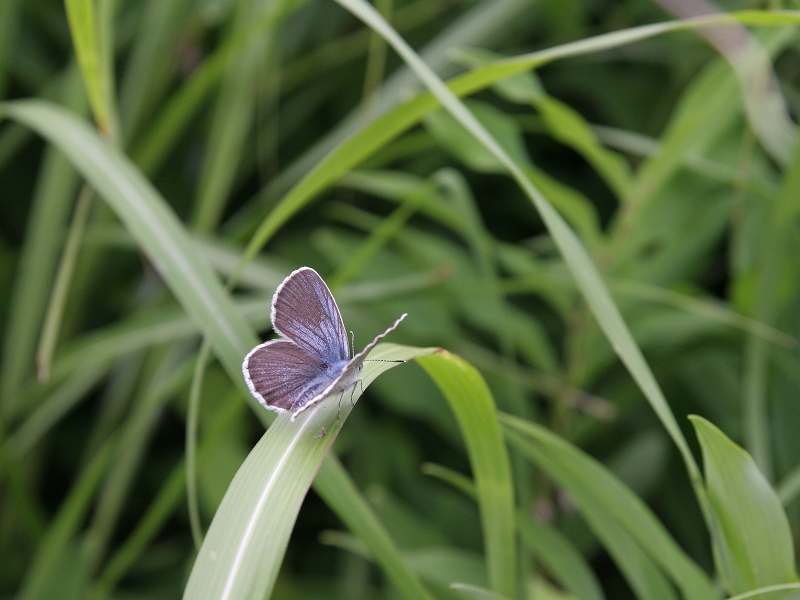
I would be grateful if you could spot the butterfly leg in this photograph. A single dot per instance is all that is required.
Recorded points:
(353, 391)
(339, 413)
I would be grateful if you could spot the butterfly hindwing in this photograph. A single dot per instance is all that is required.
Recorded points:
(283, 375)
(304, 311)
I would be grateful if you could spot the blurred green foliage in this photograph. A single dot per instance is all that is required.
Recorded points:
(235, 140)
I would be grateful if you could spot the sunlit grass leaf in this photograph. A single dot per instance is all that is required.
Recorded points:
(752, 539)
(471, 401)
(244, 547)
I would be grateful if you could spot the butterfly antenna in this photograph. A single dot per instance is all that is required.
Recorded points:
(383, 360)
(352, 344)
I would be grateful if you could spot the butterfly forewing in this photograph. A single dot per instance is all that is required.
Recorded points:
(282, 375)
(304, 311)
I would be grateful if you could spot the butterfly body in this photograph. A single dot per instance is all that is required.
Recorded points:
(311, 358)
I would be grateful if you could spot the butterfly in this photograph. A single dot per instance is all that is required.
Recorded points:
(311, 358)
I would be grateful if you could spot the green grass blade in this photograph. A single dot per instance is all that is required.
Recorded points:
(58, 298)
(9, 21)
(560, 558)
(768, 591)
(245, 544)
(44, 237)
(365, 142)
(83, 23)
(165, 504)
(145, 76)
(707, 308)
(134, 435)
(775, 265)
(586, 275)
(752, 539)
(151, 150)
(471, 402)
(609, 505)
(234, 113)
(50, 412)
(381, 234)
(147, 217)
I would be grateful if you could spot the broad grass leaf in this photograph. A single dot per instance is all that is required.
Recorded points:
(245, 544)
(470, 400)
(752, 539)
(638, 541)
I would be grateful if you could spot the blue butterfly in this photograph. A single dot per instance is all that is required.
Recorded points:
(311, 358)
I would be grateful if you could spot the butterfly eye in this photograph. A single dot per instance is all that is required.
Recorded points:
(360, 366)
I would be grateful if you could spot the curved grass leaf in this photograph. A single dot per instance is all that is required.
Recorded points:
(380, 132)
(616, 514)
(147, 217)
(575, 255)
(752, 541)
(471, 402)
(244, 547)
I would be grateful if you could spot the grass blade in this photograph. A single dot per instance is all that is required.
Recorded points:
(244, 547)
(86, 37)
(147, 217)
(471, 402)
(752, 538)
(609, 506)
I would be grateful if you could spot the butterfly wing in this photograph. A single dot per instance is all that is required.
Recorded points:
(284, 376)
(304, 311)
